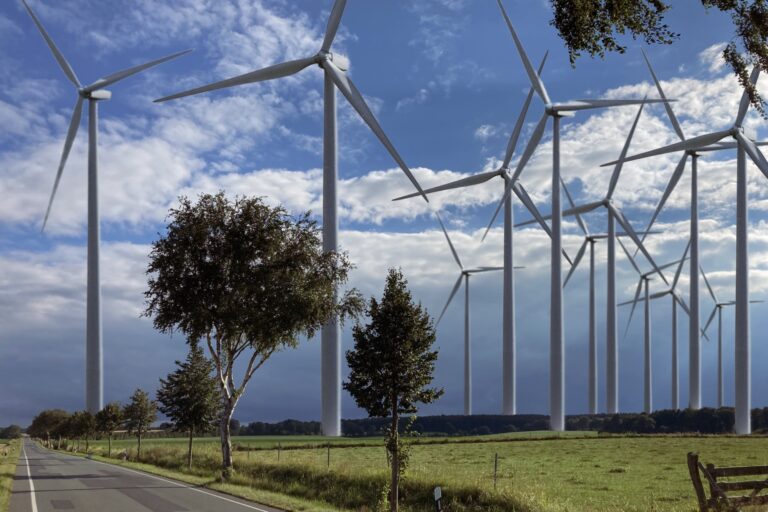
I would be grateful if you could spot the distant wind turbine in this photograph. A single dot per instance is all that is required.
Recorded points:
(464, 274)
(718, 310)
(335, 70)
(95, 92)
(555, 111)
(744, 146)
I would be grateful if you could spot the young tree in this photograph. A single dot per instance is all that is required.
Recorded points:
(75, 426)
(189, 396)
(595, 25)
(108, 420)
(86, 426)
(139, 415)
(392, 365)
(249, 280)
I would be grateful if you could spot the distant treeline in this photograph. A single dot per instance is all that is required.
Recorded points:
(704, 421)
(10, 432)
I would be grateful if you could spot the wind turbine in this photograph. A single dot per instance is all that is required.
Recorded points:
(464, 274)
(590, 240)
(615, 215)
(335, 70)
(509, 394)
(744, 146)
(676, 299)
(555, 111)
(95, 92)
(694, 344)
(718, 310)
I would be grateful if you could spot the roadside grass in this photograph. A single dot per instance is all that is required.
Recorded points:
(9, 457)
(576, 472)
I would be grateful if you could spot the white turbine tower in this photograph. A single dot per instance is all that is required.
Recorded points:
(644, 282)
(509, 393)
(615, 215)
(718, 310)
(464, 274)
(744, 146)
(335, 70)
(555, 111)
(95, 92)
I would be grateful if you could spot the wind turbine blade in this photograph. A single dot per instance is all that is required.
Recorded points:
(594, 104)
(670, 113)
(709, 286)
(711, 317)
(535, 79)
(54, 49)
(448, 238)
(270, 73)
(757, 302)
(334, 20)
(585, 208)
(512, 145)
(659, 295)
(754, 153)
(576, 261)
(522, 194)
(507, 191)
(680, 267)
(687, 145)
(480, 270)
(450, 297)
(120, 75)
(464, 182)
(634, 305)
(355, 99)
(744, 103)
(624, 150)
(629, 256)
(682, 303)
(536, 136)
(74, 124)
(631, 232)
(579, 220)
(673, 180)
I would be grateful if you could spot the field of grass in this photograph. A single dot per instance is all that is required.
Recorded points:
(536, 472)
(9, 455)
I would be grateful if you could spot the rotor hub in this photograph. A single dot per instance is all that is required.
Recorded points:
(99, 94)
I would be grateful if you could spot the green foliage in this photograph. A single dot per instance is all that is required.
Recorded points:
(10, 432)
(593, 26)
(392, 365)
(109, 418)
(46, 422)
(139, 414)
(189, 395)
(247, 278)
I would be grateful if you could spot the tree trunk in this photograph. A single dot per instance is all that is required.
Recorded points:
(394, 491)
(86, 445)
(58, 445)
(189, 453)
(109, 445)
(226, 442)
(138, 450)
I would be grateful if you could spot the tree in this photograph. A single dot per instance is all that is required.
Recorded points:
(10, 432)
(86, 426)
(594, 25)
(108, 420)
(46, 422)
(392, 365)
(249, 280)
(189, 396)
(139, 415)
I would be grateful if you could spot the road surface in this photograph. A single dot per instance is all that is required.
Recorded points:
(49, 481)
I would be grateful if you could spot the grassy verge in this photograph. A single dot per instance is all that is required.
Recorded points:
(9, 457)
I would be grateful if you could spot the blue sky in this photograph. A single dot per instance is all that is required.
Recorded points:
(447, 85)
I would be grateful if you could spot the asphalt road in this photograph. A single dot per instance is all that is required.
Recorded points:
(48, 481)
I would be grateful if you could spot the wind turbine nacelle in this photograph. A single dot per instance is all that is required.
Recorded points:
(750, 133)
(342, 61)
(100, 95)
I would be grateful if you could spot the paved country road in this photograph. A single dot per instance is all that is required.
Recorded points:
(48, 481)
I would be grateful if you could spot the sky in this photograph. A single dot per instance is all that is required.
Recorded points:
(447, 85)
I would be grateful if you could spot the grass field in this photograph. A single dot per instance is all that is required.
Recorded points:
(9, 455)
(577, 472)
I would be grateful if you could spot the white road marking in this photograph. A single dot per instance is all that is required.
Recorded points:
(257, 509)
(29, 475)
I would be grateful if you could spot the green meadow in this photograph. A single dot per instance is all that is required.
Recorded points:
(577, 471)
